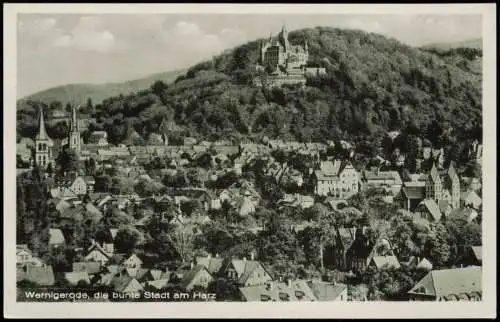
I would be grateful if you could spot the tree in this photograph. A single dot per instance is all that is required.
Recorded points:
(90, 166)
(126, 239)
(438, 249)
(68, 161)
(182, 238)
(159, 87)
(225, 290)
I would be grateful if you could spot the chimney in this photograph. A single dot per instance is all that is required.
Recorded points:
(192, 265)
(289, 282)
(217, 255)
(252, 255)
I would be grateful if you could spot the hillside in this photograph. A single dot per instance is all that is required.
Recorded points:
(373, 85)
(79, 93)
(470, 43)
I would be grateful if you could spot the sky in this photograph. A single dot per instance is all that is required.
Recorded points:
(58, 49)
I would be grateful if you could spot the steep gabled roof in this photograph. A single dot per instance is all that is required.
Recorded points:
(432, 207)
(324, 291)
(213, 265)
(189, 276)
(434, 175)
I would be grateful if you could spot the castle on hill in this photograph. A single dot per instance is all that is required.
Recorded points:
(284, 63)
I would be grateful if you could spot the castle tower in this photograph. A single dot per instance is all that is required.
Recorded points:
(284, 38)
(43, 144)
(453, 184)
(74, 132)
(433, 185)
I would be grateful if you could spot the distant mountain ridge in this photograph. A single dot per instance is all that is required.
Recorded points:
(470, 43)
(79, 93)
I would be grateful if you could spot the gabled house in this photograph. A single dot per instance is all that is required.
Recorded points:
(271, 291)
(24, 256)
(96, 253)
(471, 199)
(389, 180)
(338, 179)
(246, 272)
(125, 284)
(198, 276)
(456, 284)
(40, 275)
(79, 186)
(133, 261)
(212, 264)
(411, 194)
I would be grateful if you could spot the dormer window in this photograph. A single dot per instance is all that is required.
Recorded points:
(284, 296)
(265, 298)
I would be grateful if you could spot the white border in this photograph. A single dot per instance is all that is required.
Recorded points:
(484, 309)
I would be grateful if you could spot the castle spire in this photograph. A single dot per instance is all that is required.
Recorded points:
(42, 133)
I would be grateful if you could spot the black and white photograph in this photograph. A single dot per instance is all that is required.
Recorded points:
(244, 156)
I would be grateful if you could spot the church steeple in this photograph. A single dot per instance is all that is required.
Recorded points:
(74, 133)
(42, 133)
(74, 122)
(43, 144)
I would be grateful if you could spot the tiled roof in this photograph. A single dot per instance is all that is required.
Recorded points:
(278, 292)
(41, 275)
(88, 267)
(56, 237)
(448, 282)
(189, 276)
(213, 265)
(432, 207)
(415, 192)
(324, 291)
(389, 261)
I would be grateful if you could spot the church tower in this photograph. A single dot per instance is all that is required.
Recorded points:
(453, 184)
(43, 144)
(433, 185)
(74, 140)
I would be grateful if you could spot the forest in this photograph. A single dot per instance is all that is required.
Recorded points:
(373, 85)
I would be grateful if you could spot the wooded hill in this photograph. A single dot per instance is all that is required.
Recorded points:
(373, 85)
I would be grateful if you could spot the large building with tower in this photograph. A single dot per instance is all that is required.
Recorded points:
(284, 63)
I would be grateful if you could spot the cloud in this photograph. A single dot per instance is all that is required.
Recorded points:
(88, 34)
(187, 28)
(365, 24)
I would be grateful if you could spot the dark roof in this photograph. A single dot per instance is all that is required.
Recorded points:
(415, 192)
(189, 276)
(434, 174)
